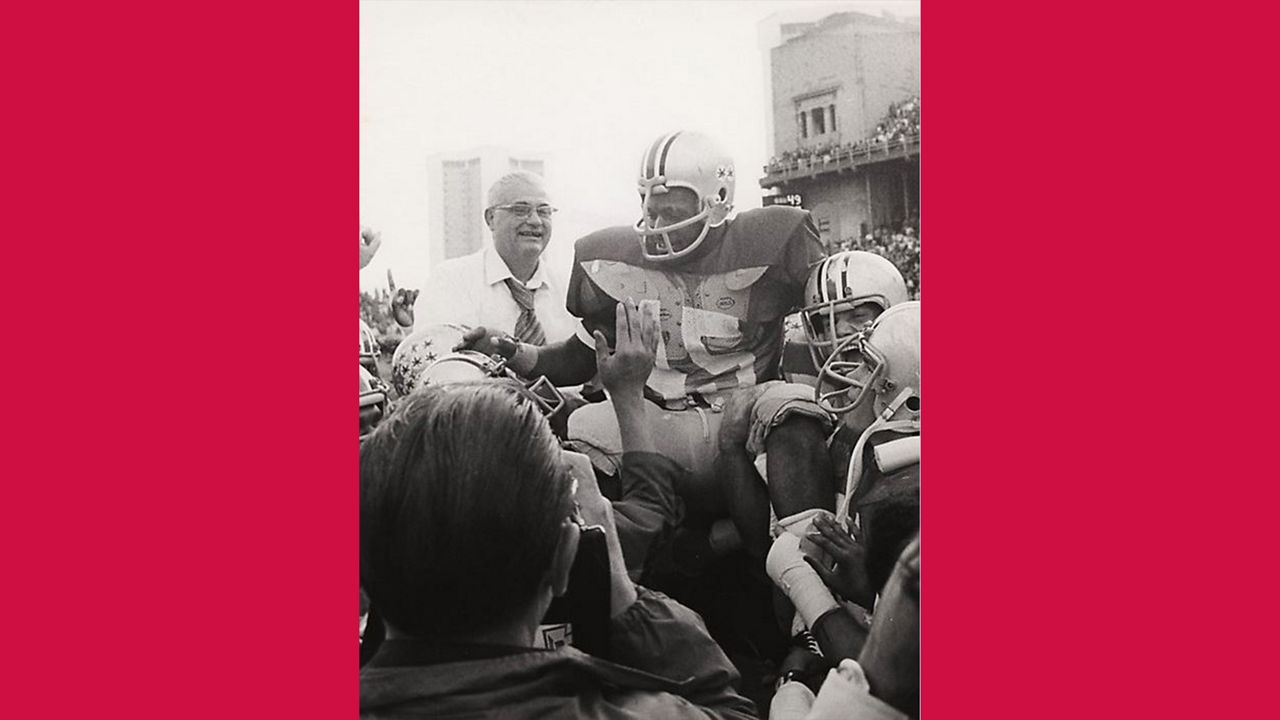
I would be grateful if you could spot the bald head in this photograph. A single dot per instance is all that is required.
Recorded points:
(515, 184)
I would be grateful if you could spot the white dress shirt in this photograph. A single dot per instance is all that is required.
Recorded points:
(471, 290)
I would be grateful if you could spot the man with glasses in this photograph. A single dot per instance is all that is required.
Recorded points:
(505, 285)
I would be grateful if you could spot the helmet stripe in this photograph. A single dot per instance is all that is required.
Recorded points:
(844, 291)
(666, 147)
(822, 279)
(649, 163)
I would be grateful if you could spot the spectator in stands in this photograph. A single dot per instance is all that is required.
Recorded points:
(505, 286)
(901, 122)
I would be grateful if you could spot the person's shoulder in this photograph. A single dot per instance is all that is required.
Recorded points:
(614, 243)
(762, 236)
(773, 221)
(453, 266)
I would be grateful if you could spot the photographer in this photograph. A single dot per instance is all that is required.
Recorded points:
(469, 527)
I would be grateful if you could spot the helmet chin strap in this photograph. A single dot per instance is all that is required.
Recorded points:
(882, 422)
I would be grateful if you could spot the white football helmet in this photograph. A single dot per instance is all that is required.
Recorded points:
(469, 366)
(840, 283)
(688, 160)
(423, 347)
(880, 365)
(427, 358)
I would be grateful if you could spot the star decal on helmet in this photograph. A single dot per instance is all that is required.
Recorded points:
(724, 172)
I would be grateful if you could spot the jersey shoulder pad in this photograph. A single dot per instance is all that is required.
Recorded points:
(616, 243)
(774, 221)
(762, 235)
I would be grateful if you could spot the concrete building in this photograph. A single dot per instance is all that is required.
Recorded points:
(456, 187)
(831, 81)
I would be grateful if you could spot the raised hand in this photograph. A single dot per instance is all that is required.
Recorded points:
(625, 368)
(402, 306)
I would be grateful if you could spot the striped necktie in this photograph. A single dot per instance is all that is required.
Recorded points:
(528, 329)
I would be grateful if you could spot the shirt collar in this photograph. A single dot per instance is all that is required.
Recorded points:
(496, 271)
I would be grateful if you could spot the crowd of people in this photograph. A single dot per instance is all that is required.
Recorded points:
(375, 310)
(900, 244)
(901, 122)
(603, 496)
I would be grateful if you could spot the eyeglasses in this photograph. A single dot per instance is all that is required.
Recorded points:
(524, 210)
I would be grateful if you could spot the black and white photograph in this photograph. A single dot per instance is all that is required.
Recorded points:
(640, 359)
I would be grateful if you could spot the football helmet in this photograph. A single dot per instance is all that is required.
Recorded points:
(840, 283)
(421, 348)
(880, 365)
(427, 357)
(691, 160)
(373, 402)
(469, 366)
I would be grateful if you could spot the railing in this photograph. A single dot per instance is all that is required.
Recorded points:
(841, 159)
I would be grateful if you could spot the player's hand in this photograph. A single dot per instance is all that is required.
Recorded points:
(845, 547)
(489, 342)
(625, 368)
(370, 241)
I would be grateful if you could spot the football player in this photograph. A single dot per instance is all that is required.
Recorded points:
(845, 293)
(723, 285)
(877, 369)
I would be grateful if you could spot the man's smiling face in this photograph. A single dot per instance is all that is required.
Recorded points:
(514, 235)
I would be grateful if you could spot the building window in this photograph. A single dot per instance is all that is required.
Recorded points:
(816, 116)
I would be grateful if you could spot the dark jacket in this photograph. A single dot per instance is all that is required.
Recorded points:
(665, 666)
(645, 506)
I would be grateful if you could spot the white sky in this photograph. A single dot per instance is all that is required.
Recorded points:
(586, 84)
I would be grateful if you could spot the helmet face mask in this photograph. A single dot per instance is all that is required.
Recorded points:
(835, 295)
(829, 328)
(880, 367)
(373, 402)
(850, 376)
(368, 347)
(470, 366)
(694, 162)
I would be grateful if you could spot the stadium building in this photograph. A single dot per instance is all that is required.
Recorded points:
(840, 90)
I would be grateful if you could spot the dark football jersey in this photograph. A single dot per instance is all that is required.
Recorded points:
(722, 308)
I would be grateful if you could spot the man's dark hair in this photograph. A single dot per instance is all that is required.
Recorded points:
(462, 492)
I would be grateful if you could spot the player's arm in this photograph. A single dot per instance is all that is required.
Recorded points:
(804, 250)
(569, 362)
